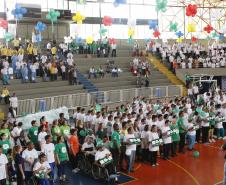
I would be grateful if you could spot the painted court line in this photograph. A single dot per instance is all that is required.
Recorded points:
(219, 183)
(187, 172)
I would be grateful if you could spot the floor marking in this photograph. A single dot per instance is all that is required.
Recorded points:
(138, 166)
(219, 148)
(219, 183)
(134, 179)
(187, 172)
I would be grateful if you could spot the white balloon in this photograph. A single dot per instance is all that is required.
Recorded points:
(132, 22)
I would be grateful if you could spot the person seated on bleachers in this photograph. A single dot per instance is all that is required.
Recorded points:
(5, 95)
(5, 76)
(100, 71)
(92, 72)
(114, 72)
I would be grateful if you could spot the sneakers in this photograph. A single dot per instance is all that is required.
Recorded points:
(153, 165)
(76, 170)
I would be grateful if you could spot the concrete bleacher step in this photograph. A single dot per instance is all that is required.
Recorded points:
(51, 94)
(37, 85)
(101, 60)
(61, 89)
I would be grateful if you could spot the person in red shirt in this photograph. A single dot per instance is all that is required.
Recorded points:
(44, 123)
(74, 149)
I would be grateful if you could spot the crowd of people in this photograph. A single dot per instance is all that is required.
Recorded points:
(187, 55)
(142, 130)
(27, 61)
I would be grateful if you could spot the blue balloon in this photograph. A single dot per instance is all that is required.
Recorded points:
(38, 38)
(118, 2)
(153, 24)
(40, 26)
(79, 40)
(19, 11)
(179, 34)
(221, 36)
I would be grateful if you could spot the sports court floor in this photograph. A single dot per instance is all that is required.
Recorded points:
(207, 169)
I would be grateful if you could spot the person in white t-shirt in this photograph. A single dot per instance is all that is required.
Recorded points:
(48, 149)
(153, 149)
(41, 136)
(42, 169)
(14, 101)
(167, 140)
(130, 149)
(191, 134)
(3, 167)
(29, 155)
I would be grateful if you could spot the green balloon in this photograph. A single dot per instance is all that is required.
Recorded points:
(82, 133)
(196, 154)
(8, 37)
(53, 15)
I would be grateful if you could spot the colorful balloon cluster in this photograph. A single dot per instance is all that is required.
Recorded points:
(191, 10)
(173, 27)
(19, 12)
(78, 18)
(3, 23)
(161, 5)
(107, 21)
(118, 2)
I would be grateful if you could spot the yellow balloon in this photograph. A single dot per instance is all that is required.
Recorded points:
(78, 17)
(179, 40)
(89, 40)
(191, 27)
(131, 32)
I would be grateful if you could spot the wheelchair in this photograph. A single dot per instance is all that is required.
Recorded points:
(104, 172)
(85, 161)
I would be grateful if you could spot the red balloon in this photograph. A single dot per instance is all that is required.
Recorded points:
(111, 41)
(194, 39)
(3, 23)
(191, 10)
(107, 21)
(156, 33)
(208, 28)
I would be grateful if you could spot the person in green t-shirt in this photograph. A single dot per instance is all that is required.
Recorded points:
(175, 135)
(5, 129)
(182, 131)
(61, 157)
(65, 130)
(115, 144)
(55, 131)
(33, 133)
(5, 143)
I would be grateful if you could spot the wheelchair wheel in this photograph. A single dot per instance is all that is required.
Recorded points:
(88, 167)
(81, 163)
(96, 171)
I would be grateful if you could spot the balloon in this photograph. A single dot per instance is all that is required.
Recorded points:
(191, 27)
(40, 26)
(179, 40)
(208, 28)
(111, 41)
(131, 22)
(38, 38)
(153, 24)
(131, 32)
(68, 40)
(78, 18)
(130, 40)
(161, 5)
(89, 40)
(173, 27)
(194, 39)
(8, 37)
(179, 34)
(156, 34)
(18, 12)
(103, 31)
(81, 1)
(53, 15)
(3, 23)
(221, 36)
(105, 41)
(214, 34)
(79, 40)
(107, 21)
(191, 10)
(196, 154)
(147, 40)
(118, 2)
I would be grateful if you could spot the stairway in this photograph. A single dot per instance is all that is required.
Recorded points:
(163, 69)
(90, 88)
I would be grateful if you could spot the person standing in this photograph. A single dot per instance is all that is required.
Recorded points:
(14, 102)
(182, 131)
(3, 167)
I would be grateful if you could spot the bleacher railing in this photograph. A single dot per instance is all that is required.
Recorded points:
(29, 106)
